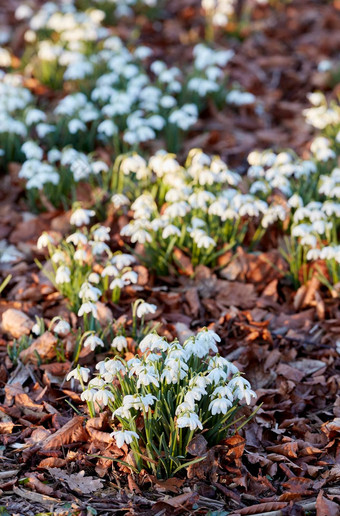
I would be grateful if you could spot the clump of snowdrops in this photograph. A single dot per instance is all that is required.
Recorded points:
(84, 269)
(164, 396)
(197, 208)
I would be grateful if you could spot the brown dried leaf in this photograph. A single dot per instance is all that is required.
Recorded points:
(72, 432)
(77, 481)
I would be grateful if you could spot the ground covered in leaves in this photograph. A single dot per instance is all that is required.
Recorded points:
(285, 461)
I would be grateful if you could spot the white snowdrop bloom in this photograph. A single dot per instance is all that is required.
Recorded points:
(103, 397)
(101, 234)
(220, 406)
(119, 200)
(309, 240)
(222, 363)
(44, 129)
(94, 278)
(145, 309)
(295, 201)
(313, 254)
(184, 407)
(240, 98)
(23, 12)
(170, 230)
(301, 230)
(92, 342)
(36, 329)
(62, 328)
(80, 255)
(122, 260)
(129, 277)
(216, 375)
(194, 395)
(259, 187)
(223, 391)
(117, 283)
(147, 376)
(87, 308)
(109, 270)
(274, 213)
(328, 253)
(177, 209)
(317, 98)
(34, 116)
(79, 373)
(89, 292)
(107, 128)
(81, 217)
(63, 275)
(135, 164)
(123, 411)
(189, 420)
(153, 342)
(53, 155)
(98, 167)
(88, 394)
(119, 343)
(75, 125)
(202, 86)
(242, 389)
(167, 102)
(319, 226)
(77, 238)
(143, 52)
(44, 241)
(124, 437)
(331, 208)
(205, 241)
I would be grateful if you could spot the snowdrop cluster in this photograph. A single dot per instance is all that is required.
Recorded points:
(17, 116)
(85, 268)
(197, 208)
(57, 172)
(219, 11)
(164, 395)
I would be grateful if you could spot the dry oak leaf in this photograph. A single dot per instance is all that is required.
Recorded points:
(325, 507)
(77, 481)
(261, 508)
(16, 323)
(72, 432)
(43, 348)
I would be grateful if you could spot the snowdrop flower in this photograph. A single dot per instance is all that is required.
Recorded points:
(189, 420)
(124, 437)
(36, 329)
(88, 394)
(80, 255)
(87, 308)
(89, 292)
(92, 342)
(81, 217)
(63, 275)
(220, 406)
(103, 396)
(94, 278)
(79, 373)
(77, 238)
(75, 125)
(205, 241)
(62, 328)
(241, 389)
(119, 343)
(170, 230)
(99, 248)
(119, 200)
(147, 376)
(153, 342)
(44, 240)
(145, 309)
(101, 234)
(313, 254)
